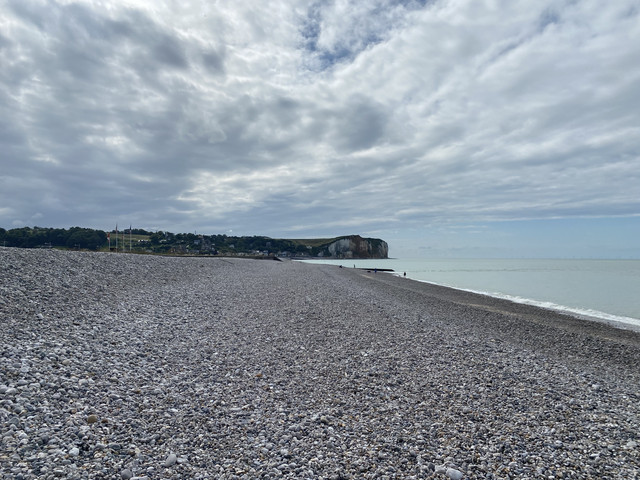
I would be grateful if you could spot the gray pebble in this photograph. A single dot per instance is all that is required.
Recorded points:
(441, 469)
(126, 474)
(171, 460)
(454, 474)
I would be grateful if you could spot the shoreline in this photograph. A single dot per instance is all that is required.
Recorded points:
(614, 321)
(163, 367)
(522, 316)
(589, 313)
(550, 317)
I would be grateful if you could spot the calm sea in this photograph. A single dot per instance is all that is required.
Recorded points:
(607, 290)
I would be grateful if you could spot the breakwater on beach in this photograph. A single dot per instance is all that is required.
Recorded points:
(124, 366)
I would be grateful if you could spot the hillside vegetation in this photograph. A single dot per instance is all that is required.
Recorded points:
(160, 242)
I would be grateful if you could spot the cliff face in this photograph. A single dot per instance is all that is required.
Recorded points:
(354, 246)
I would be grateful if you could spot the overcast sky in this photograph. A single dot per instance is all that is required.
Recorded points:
(446, 127)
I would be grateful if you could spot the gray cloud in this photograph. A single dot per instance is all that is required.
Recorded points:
(213, 61)
(312, 118)
(359, 125)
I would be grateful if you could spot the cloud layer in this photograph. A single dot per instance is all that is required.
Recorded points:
(309, 118)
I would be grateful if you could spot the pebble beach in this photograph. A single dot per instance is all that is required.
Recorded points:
(118, 366)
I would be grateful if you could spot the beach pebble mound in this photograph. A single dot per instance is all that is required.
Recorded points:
(116, 366)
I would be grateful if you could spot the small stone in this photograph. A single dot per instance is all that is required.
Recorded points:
(440, 469)
(92, 419)
(454, 474)
(74, 452)
(126, 474)
(171, 460)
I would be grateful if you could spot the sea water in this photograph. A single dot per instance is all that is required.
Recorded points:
(607, 290)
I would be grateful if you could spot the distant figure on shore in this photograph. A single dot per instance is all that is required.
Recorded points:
(405, 274)
(375, 270)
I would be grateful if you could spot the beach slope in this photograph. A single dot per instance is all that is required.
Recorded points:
(120, 366)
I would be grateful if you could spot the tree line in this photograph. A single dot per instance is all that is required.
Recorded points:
(141, 240)
(39, 237)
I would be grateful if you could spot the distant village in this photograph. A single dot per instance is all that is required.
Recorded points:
(143, 241)
(167, 242)
(131, 240)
